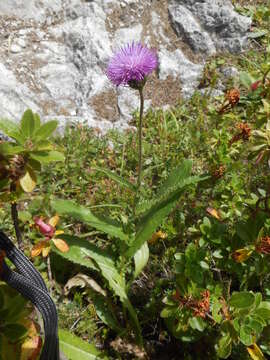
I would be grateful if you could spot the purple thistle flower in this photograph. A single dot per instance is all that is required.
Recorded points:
(131, 64)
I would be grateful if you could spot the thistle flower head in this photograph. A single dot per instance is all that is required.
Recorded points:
(131, 64)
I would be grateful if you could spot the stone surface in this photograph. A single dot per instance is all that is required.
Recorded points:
(53, 54)
(209, 25)
(230, 71)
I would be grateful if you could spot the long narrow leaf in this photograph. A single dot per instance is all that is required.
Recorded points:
(76, 254)
(179, 174)
(176, 180)
(161, 208)
(75, 348)
(77, 212)
(81, 252)
(105, 312)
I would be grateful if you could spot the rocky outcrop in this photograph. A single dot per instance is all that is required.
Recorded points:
(53, 54)
(209, 26)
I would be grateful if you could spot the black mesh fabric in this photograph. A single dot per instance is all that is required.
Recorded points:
(29, 283)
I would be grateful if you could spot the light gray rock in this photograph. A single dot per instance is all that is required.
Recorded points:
(14, 48)
(230, 71)
(15, 97)
(53, 54)
(30, 9)
(209, 25)
(187, 25)
(21, 43)
(176, 64)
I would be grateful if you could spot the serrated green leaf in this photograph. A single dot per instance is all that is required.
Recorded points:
(28, 123)
(75, 348)
(161, 207)
(75, 253)
(45, 130)
(117, 178)
(176, 176)
(140, 259)
(81, 213)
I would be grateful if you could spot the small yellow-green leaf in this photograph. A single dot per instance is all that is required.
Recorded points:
(140, 259)
(61, 245)
(54, 221)
(28, 181)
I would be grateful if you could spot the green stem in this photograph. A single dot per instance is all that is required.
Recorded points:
(140, 140)
(139, 135)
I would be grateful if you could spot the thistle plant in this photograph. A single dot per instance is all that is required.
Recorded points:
(130, 66)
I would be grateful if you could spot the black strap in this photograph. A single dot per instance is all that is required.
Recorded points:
(30, 284)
